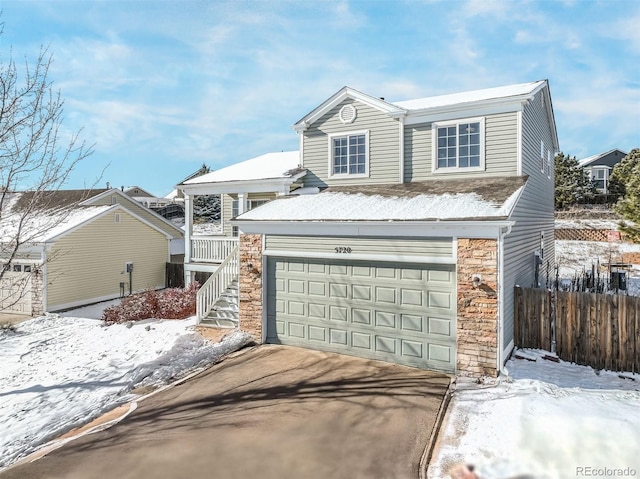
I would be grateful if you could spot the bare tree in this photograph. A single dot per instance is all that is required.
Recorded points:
(36, 156)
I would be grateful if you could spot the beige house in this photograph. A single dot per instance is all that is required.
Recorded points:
(398, 233)
(81, 247)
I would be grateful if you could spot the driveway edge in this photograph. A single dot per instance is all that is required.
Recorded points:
(428, 452)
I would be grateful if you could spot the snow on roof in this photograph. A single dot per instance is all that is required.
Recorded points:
(45, 225)
(470, 96)
(590, 159)
(408, 203)
(268, 166)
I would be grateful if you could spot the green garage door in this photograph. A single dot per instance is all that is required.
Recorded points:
(396, 312)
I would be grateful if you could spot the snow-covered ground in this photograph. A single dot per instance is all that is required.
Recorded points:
(545, 420)
(58, 372)
(574, 257)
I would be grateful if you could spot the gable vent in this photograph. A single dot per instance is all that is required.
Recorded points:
(348, 114)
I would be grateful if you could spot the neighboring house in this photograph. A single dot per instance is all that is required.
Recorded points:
(402, 230)
(599, 168)
(83, 247)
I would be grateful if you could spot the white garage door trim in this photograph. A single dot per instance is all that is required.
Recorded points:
(397, 312)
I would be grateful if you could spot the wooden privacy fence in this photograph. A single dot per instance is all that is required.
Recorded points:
(597, 330)
(174, 275)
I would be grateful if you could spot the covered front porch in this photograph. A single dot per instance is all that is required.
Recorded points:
(241, 187)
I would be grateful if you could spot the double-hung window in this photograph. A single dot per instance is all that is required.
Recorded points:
(349, 154)
(459, 145)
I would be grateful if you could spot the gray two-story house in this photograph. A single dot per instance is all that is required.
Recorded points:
(403, 228)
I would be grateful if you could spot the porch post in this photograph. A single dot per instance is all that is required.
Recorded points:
(188, 231)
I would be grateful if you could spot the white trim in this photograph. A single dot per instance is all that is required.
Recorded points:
(45, 281)
(331, 137)
(200, 268)
(506, 351)
(337, 98)
(301, 147)
(267, 185)
(265, 279)
(519, 142)
(401, 149)
(398, 258)
(542, 156)
(86, 302)
(434, 146)
(453, 112)
(466, 229)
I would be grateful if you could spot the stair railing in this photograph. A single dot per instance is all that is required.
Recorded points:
(217, 283)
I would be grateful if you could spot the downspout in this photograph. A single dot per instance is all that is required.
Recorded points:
(401, 148)
(501, 234)
(188, 231)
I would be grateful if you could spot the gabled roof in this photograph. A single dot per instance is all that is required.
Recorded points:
(54, 214)
(593, 160)
(338, 97)
(435, 200)
(517, 92)
(284, 164)
(510, 95)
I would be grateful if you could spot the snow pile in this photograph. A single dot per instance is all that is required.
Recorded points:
(337, 206)
(586, 224)
(546, 420)
(60, 372)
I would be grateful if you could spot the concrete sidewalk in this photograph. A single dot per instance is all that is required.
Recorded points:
(273, 412)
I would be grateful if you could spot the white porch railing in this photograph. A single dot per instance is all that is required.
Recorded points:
(211, 249)
(217, 283)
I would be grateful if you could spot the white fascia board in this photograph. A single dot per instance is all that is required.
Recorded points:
(462, 229)
(344, 93)
(272, 185)
(475, 109)
(396, 258)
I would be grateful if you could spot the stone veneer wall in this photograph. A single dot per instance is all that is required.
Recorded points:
(250, 285)
(37, 287)
(477, 325)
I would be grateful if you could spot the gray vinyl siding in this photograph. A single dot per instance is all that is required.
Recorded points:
(501, 146)
(384, 146)
(226, 208)
(426, 247)
(532, 215)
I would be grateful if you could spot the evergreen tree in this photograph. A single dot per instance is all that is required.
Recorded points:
(206, 208)
(572, 185)
(622, 172)
(627, 178)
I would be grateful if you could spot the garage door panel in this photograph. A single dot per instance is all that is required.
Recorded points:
(338, 336)
(440, 326)
(393, 312)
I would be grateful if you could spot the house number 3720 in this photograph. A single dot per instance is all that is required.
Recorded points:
(343, 249)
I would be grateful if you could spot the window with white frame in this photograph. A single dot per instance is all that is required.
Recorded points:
(459, 145)
(349, 154)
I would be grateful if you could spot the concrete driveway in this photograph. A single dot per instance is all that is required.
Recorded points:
(272, 412)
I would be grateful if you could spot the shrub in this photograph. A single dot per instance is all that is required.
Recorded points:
(172, 303)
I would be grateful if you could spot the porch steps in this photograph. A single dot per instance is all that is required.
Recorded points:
(224, 313)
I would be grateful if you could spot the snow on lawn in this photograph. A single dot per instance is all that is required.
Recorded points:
(544, 420)
(574, 257)
(59, 372)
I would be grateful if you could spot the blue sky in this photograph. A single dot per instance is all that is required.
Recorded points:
(162, 86)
